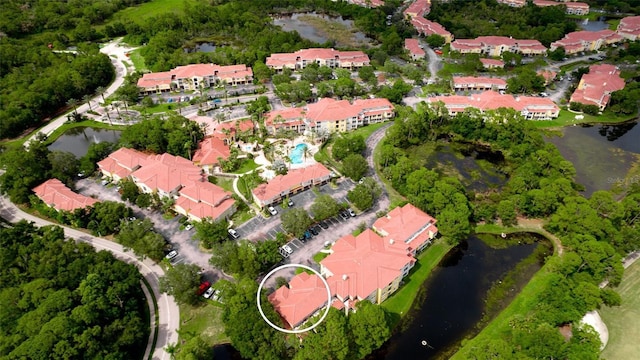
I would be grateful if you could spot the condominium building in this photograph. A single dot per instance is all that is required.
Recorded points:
(368, 267)
(492, 63)
(426, 27)
(298, 60)
(463, 83)
(513, 3)
(629, 28)
(573, 7)
(330, 115)
(531, 108)
(292, 182)
(414, 49)
(57, 195)
(193, 77)
(595, 87)
(494, 46)
(578, 41)
(367, 3)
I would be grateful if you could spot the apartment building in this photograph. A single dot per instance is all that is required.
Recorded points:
(193, 77)
(531, 108)
(426, 27)
(298, 60)
(418, 8)
(293, 182)
(579, 41)
(492, 63)
(464, 83)
(210, 151)
(330, 115)
(369, 267)
(494, 46)
(367, 3)
(513, 3)
(595, 87)
(573, 8)
(415, 50)
(548, 76)
(57, 195)
(629, 28)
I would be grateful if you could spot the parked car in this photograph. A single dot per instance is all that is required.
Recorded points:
(344, 215)
(351, 212)
(188, 227)
(171, 254)
(290, 202)
(234, 234)
(287, 248)
(323, 224)
(314, 231)
(207, 294)
(272, 210)
(203, 287)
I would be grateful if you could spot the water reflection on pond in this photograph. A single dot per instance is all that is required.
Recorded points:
(296, 22)
(77, 140)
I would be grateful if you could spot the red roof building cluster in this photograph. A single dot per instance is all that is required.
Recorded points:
(513, 3)
(324, 57)
(595, 87)
(532, 108)
(492, 63)
(369, 266)
(209, 153)
(57, 195)
(418, 8)
(192, 77)
(573, 7)
(414, 49)
(463, 83)
(170, 176)
(416, 12)
(578, 41)
(494, 46)
(629, 28)
(367, 3)
(294, 181)
(330, 115)
(548, 76)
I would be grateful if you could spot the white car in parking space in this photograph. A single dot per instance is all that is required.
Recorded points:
(171, 254)
(287, 248)
(272, 210)
(207, 294)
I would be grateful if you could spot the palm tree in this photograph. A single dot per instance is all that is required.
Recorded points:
(116, 105)
(87, 98)
(171, 349)
(306, 152)
(73, 103)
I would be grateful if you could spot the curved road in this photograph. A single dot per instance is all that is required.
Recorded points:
(169, 315)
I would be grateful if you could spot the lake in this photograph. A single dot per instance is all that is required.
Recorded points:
(593, 25)
(602, 154)
(77, 140)
(298, 22)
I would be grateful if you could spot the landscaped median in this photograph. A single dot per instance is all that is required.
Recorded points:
(400, 303)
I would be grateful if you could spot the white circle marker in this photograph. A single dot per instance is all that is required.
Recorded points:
(326, 311)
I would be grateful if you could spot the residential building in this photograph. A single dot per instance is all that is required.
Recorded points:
(492, 63)
(629, 28)
(210, 150)
(595, 87)
(513, 3)
(295, 181)
(171, 177)
(367, 3)
(464, 83)
(414, 49)
(229, 130)
(369, 266)
(494, 46)
(578, 41)
(548, 76)
(573, 7)
(426, 27)
(418, 8)
(532, 108)
(330, 115)
(57, 195)
(193, 77)
(298, 60)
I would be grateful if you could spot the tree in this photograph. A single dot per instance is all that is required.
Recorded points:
(181, 281)
(435, 40)
(139, 236)
(370, 328)
(355, 166)
(24, 170)
(507, 213)
(296, 221)
(236, 258)
(211, 232)
(105, 217)
(324, 207)
(558, 54)
(64, 166)
(367, 74)
(361, 197)
(453, 223)
(330, 340)
(195, 349)
(345, 145)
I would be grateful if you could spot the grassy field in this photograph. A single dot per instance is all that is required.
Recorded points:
(567, 118)
(400, 302)
(246, 166)
(138, 61)
(622, 321)
(225, 183)
(150, 9)
(204, 320)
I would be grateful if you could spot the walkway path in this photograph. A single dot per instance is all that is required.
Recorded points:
(168, 311)
(435, 63)
(538, 225)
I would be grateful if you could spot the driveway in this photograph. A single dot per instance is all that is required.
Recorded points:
(188, 249)
(168, 311)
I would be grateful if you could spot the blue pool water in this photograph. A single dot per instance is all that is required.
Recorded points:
(297, 154)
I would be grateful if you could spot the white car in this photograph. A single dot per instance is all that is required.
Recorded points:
(272, 210)
(233, 233)
(288, 249)
(207, 294)
(188, 227)
(171, 254)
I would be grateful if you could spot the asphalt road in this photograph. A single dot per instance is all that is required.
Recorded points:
(168, 311)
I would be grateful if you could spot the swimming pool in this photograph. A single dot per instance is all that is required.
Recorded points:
(297, 154)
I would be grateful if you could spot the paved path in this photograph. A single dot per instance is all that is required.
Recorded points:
(435, 63)
(168, 311)
(117, 55)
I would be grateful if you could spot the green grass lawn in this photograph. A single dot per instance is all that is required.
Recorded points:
(567, 118)
(395, 198)
(158, 108)
(242, 216)
(204, 320)
(225, 183)
(242, 187)
(138, 60)
(246, 166)
(622, 321)
(144, 11)
(400, 302)
(319, 256)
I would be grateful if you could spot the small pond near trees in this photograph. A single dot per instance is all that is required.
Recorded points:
(77, 140)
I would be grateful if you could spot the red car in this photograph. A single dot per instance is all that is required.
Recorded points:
(203, 287)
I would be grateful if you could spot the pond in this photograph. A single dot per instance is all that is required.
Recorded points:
(593, 25)
(455, 298)
(201, 47)
(602, 154)
(308, 26)
(77, 140)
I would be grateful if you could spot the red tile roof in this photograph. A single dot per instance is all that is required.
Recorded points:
(284, 117)
(203, 210)
(427, 27)
(327, 109)
(548, 75)
(305, 295)
(492, 63)
(293, 179)
(57, 195)
(491, 100)
(123, 162)
(418, 8)
(583, 38)
(167, 173)
(195, 70)
(209, 150)
(408, 226)
(360, 265)
(280, 59)
(596, 86)
(478, 81)
(413, 46)
(155, 79)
